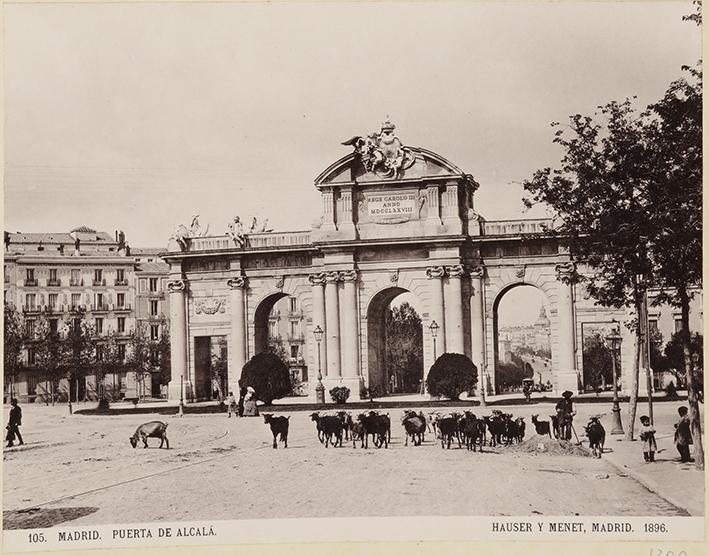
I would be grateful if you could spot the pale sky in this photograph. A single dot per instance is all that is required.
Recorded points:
(137, 116)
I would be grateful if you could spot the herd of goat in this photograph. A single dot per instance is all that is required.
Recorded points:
(465, 428)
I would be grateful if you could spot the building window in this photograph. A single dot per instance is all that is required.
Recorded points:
(652, 325)
(153, 284)
(294, 352)
(30, 301)
(31, 356)
(53, 299)
(32, 382)
(153, 308)
(98, 275)
(53, 276)
(75, 277)
(75, 300)
(53, 326)
(272, 330)
(121, 300)
(293, 329)
(30, 274)
(99, 352)
(99, 300)
(121, 325)
(154, 356)
(99, 326)
(121, 352)
(154, 331)
(678, 324)
(30, 328)
(293, 304)
(120, 275)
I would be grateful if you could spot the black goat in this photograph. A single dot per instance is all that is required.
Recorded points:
(447, 429)
(328, 426)
(279, 425)
(376, 425)
(542, 427)
(596, 436)
(415, 426)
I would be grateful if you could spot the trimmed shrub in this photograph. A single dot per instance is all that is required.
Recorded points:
(268, 376)
(450, 375)
(340, 394)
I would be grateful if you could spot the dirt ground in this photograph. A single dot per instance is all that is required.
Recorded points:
(82, 470)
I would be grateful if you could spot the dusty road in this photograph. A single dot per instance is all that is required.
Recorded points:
(82, 470)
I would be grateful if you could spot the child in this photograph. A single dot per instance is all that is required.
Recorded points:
(647, 435)
(683, 434)
(231, 404)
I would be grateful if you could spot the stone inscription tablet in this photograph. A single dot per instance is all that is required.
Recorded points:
(389, 208)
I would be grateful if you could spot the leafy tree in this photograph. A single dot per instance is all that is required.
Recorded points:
(164, 365)
(138, 360)
(218, 369)
(276, 347)
(108, 363)
(450, 375)
(658, 360)
(404, 346)
(675, 166)
(597, 361)
(14, 343)
(268, 376)
(80, 349)
(50, 352)
(674, 355)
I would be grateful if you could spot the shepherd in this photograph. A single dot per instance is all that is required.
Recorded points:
(565, 412)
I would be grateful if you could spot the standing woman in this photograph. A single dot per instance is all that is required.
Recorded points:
(242, 395)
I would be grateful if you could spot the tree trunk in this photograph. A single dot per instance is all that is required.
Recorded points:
(694, 418)
(632, 410)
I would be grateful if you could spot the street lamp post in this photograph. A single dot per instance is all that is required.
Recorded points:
(319, 388)
(433, 327)
(614, 339)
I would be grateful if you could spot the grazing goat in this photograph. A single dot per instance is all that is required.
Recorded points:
(448, 428)
(596, 436)
(542, 427)
(378, 426)
(328, 426)
(153, 429)
(279, 425)
(415, 426)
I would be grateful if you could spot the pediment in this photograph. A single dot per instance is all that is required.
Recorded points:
(421, 164)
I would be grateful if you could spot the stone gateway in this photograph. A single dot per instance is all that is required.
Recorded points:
(394, 219)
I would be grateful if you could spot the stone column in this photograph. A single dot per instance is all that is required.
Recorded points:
(566, 376)
(237, 347)
(477, 321)
(433, 222)
(455, 342)
(332, 325)
(317, 281)
(350, 334)
(178, 341)
(328, 206)
(435, 275)
(345, 223)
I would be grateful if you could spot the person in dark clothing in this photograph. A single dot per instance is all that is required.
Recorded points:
(565, 412)
(683, 434)
(13, 426)
(242, 395)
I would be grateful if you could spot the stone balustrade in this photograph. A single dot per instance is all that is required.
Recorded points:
(262, 240)
(515, 227)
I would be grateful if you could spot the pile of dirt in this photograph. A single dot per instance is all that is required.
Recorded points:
(545, 445)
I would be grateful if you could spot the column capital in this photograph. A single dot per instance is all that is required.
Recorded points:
(456, 271)
(317, 279)
(176, 286)
(477, 272)
(332, 277)
(349, 276)
(237, 282)
(435, 272)
(564, 270)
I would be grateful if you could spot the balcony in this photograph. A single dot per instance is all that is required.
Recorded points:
(53, 283)
(76, 283)
(295, 315)
(31, 309)
(77, 308)
(125, 308)
(52, 309)
(123, 282)
(101, 282)
(100, 308)
(31, 282)
(156, 294)
(296, 339)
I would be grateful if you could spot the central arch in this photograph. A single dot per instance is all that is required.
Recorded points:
(262, 315)
(379, 377)
(534, 335)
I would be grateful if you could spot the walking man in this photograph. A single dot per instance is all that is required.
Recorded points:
(13, 426)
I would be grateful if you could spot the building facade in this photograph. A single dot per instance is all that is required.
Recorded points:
(53, 277)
